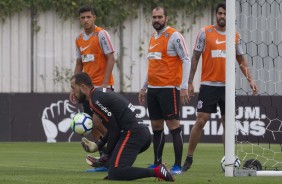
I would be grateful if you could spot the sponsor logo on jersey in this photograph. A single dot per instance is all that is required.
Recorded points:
(87, 58)
(105, 109)
(154, 55)
(219, 42)
(151, 47)
(84, 48)
(218, 54)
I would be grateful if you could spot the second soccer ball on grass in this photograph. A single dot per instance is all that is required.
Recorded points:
(236, 163)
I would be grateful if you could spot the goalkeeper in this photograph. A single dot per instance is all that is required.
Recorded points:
(125, 137)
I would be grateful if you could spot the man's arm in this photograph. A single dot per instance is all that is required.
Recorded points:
(194, 64)
(198, 49)
(142, 92)
(245, 70)
(181, 50)
(107, 47)
(114, 134)
(78, 66)
(109, 69)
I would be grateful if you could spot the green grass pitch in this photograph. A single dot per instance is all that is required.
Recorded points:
(64, 163)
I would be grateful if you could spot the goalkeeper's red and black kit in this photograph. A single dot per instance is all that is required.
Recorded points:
(126, 136)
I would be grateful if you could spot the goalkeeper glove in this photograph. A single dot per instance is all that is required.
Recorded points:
(89, 146)
(98, 162)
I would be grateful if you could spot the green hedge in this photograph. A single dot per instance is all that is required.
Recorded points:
(110, 12)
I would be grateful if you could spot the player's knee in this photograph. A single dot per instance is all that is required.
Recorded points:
(158, 132)
(175, 131)
(116, 174)
(200, 123)
(172, 124)
(157, 124)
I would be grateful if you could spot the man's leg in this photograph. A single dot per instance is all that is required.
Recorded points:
(194, 138)
(157, 123)
(223, 135)
(125, 154)
(158, 141)
(176, 132)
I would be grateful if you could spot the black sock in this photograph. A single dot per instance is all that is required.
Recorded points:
(159, 141)
(177, 145)
(189, 159)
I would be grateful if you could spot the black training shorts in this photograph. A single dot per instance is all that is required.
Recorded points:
(163, 103)
(210, 97)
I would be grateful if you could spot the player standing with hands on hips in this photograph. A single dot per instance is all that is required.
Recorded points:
(166, 85)
(125, 137)
(94, 52)
(211, 44)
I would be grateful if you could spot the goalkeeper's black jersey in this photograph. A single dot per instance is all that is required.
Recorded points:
(115, 111)
(112, 108)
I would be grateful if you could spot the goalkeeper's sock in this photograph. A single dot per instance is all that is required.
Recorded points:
(159, 141)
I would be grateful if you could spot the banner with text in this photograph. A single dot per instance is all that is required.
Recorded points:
(47, 117)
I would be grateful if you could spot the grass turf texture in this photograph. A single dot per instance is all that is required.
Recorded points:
(65, 163)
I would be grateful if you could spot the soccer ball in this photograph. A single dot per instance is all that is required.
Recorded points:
(236, 164)
(82, 124)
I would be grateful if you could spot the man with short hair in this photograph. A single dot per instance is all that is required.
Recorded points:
(166, 85)
(211, 44)
(125, 137)
(94, 52)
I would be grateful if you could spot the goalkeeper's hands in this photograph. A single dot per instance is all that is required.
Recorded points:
(89, 146)
(98, 162)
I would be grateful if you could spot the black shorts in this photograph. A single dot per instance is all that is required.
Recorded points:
(163, 103)
(209, 97)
